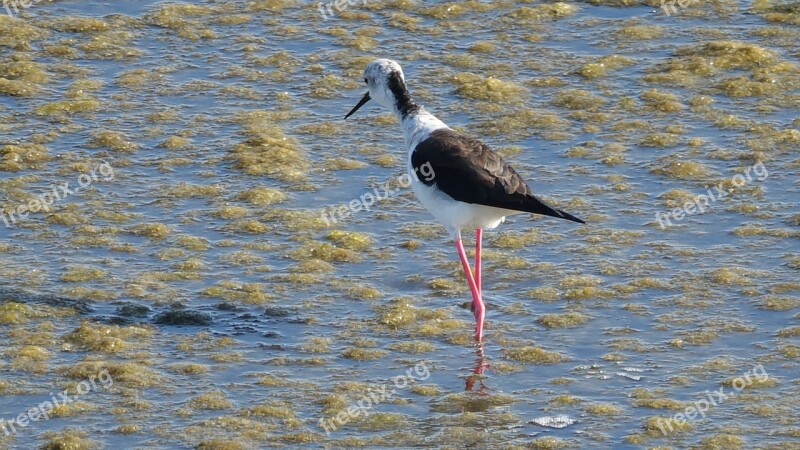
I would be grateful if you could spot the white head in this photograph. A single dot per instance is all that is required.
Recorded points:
(386, 85)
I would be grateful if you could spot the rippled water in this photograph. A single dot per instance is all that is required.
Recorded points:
(190, 294)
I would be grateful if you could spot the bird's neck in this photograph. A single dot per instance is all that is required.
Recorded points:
(404, 106)
(418, 125)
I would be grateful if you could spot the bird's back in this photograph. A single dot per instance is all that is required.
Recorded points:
(468, 171)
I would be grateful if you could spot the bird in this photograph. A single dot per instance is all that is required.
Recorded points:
(462, 182)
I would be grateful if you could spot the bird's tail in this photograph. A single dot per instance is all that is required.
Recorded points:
(536, 206)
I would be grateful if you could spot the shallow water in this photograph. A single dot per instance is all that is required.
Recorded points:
(196, 282)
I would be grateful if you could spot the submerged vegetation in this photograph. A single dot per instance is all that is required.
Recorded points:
(205, 280)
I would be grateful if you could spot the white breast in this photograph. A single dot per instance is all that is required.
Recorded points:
(454, 215)
(417, 128)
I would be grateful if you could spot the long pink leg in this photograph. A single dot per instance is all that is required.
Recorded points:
(478, 245)
(477, 303)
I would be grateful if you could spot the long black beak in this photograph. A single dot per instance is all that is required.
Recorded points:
(361, 102)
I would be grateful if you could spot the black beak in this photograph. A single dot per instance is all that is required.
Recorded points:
(361, 102)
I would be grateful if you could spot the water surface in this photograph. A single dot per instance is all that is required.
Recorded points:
(196, 271)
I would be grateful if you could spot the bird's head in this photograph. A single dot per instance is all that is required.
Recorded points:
(386, 84)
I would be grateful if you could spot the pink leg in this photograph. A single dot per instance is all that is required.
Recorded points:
(478, 245)
(477, 303)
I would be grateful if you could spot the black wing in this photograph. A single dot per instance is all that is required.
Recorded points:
(469, 171)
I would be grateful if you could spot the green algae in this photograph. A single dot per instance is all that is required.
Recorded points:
(29, 358)
(231, 212)
(252, 293)
(743, 87)
(19, 34)
(273, 410)
(211, 401)
(344, 164)
(316, 344)
(69, 107)
(604, 65)
(640, 32)
(564, 400)
(730, 55)
(521, 124)
(721, 442)
(82, 274)
(108, 339)
(491, 89)
(464, 402)
(221, 444)
(20, 157)
(482, 47)
(539, 13)
(754, 382)
(268, 151)
(776, 303)
(657, 115)
(134, 375)
(296, 220)
(325, 252)
(578, 99)
(190, 369)
(183, 19)
(176, 143)
(350, 240)
(647, 399)
(193, 243)
(533, 355)
(548, 443)
(544, 293)
(443, 284)
(12, 313)
(22, 78)
(330, 86)
(662, 101)
(603, 410)
(313, 266)
(73, 409)
(778, 13)
(84, 293)
(566, 320)
(69, 440)
(790, 351)
(683, 170)
(364, 354)
(516, 241)
(75, 24)
(249, 226)
(364, 292)
(155, 231)
(426, 390)
(655, 427)
(399, 313)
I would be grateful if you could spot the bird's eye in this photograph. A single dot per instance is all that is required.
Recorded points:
(365, 80)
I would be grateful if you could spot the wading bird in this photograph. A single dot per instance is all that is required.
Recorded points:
(470, 187)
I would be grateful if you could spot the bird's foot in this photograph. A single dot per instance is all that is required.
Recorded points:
(479, 326)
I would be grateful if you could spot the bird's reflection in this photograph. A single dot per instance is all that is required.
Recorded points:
(475, 380)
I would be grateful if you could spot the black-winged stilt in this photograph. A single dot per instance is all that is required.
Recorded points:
(470, 187)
